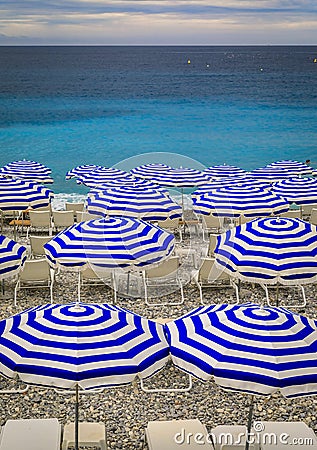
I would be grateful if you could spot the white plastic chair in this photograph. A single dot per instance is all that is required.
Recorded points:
(36, 273)
(177, 434)
(31, 434)
(209, 275)
(166, 273)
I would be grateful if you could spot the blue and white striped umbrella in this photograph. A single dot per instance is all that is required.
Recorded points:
(235, 201)
(85, 345)
(249, 348)
(270, 251)
(181, 177)
(149, 171)
(302, 191)
(293, 167)
(115, 242)
(270, 174)
(81, 170)
(12, 257)
(18, 195)
(135, 202)
(127, 182)
(102, 175)
(224, 170)
(244, 182)
(27, 170)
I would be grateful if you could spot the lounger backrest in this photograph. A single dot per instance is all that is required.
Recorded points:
(40, 218)
(292, 214)
(165, 269)
(212, 244)
(37, 244)
(210, 221)
(313, 216)
(84, 216)
(63, 218)
(169, 223)
(74, 206)
(35, 270)
(208, 271)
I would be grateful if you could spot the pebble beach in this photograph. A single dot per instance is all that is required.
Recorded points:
(126, 410)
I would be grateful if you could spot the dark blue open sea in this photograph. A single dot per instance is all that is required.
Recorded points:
(246, 106)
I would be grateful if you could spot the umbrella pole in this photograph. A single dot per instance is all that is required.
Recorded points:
(250, 417)
(76, 418)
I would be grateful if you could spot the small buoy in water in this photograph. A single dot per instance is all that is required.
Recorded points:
(188, 61)
(261, 69)
(207, 65)
(315, 60)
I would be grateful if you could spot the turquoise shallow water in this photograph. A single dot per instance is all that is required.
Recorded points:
(246, 106)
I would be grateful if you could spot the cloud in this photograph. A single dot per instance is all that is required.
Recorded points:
(97, 21)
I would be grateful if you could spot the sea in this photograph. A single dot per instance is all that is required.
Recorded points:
(123, 106)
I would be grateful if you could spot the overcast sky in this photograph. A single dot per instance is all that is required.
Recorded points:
(155, 22)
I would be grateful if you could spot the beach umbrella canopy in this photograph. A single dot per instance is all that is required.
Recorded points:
(250, 348)
(128, 182)
(148, 171)
(181, 177)
(111, 243)
(81, 170)
(244, 182)
(270, 251)
(18, 195)
(270, 174)
(102, 175)
(234, 201)
(302, 191)
(138, 202)
(293, 167)
(27, 170)
(12, 257)
(80, 345)
(224, 170)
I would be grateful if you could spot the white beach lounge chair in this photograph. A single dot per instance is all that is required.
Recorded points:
(90, 434)
(210, 224)
(175, 434)
(313, 216)
(88, 277)
(172, 225)
(84, 216)
(63, 219)
(164, 274)
(37, 245)
(36, 273)
(277, 288)
(75, 207)
(31, 434)
(40, 220)
(209, 275)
